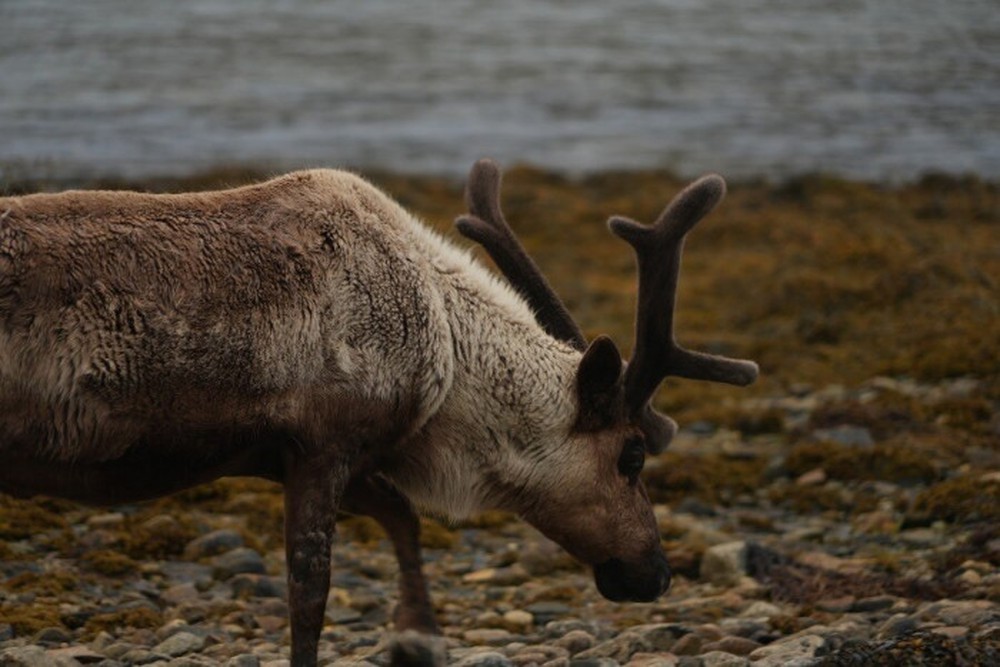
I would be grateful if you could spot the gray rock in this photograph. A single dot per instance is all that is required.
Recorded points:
(546, 612)
(33, 656)
(593, 662)
(213, 544)
(245, 660)
(559, 628)
(619, 648)
(259, 586)
(238, 561)
(897, 626)
(52, 636)
(788, 651)
(660, 637)
(575, 641)
(847, 435)
(488, 659)
(179, 644)
(724, 564)
(721, 659)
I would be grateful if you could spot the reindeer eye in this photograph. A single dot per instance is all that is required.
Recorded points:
(632, 458)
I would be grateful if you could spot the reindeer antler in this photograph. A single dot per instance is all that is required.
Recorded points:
(658, 253)
(486, 226)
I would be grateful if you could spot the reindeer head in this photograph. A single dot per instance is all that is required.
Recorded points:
(607, 522)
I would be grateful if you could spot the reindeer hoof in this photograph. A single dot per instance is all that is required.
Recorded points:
(414, 649)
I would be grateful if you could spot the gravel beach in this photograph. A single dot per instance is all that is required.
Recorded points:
(843, 511)
(758, 580)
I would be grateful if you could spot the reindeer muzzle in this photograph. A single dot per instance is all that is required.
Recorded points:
(633, 582)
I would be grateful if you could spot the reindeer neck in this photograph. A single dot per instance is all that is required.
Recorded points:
(511, 399)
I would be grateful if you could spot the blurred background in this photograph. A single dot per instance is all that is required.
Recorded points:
(876, 89)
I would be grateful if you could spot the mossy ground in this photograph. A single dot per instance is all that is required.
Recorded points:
(822, 281)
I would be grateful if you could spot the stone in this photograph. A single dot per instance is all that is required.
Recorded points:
(660, 636)
(724, 564)
(518, 620)
(619, 648)
(546, 612)
(212, 544)
(722, 659)
(897, 626)
(654, 660)
(244, 660)
(511, 575)
(488, 659)
(259, 586)
(575, 641)
(688, 645)
(179, 644)
(238, 561)
(52, 636)
(487, 636)
(33, 656)
(733, 645)
(761, 609)
(784, 652)
(813, 477)
(847, 435)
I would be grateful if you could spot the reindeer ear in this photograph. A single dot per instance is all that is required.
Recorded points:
(598, 384)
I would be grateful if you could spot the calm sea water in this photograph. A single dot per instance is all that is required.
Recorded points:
(884, 89)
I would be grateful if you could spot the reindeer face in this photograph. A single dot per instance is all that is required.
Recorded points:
(594, 506)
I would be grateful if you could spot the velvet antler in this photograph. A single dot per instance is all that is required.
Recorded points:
(658, 252)
(486, 226)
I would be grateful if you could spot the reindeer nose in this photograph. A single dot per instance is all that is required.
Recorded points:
(621, 582)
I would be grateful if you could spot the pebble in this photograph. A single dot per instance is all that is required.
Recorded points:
(724, 564)
(238, 561)
(212, 544)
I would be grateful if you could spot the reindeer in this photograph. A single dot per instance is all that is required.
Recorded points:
(310, 331)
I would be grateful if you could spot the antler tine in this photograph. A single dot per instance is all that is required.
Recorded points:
(486, 226)
(658, 251)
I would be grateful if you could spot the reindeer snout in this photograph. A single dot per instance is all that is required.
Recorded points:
(630, 582)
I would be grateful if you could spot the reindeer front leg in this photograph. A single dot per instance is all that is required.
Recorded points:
(375, 497)
(417, 642)
(313, 488)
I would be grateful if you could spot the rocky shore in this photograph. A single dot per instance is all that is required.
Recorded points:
(794, 551)
(843, 511)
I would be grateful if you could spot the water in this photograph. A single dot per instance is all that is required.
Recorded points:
(880, 89)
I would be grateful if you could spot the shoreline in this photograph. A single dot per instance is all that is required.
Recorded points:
(15, 180)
